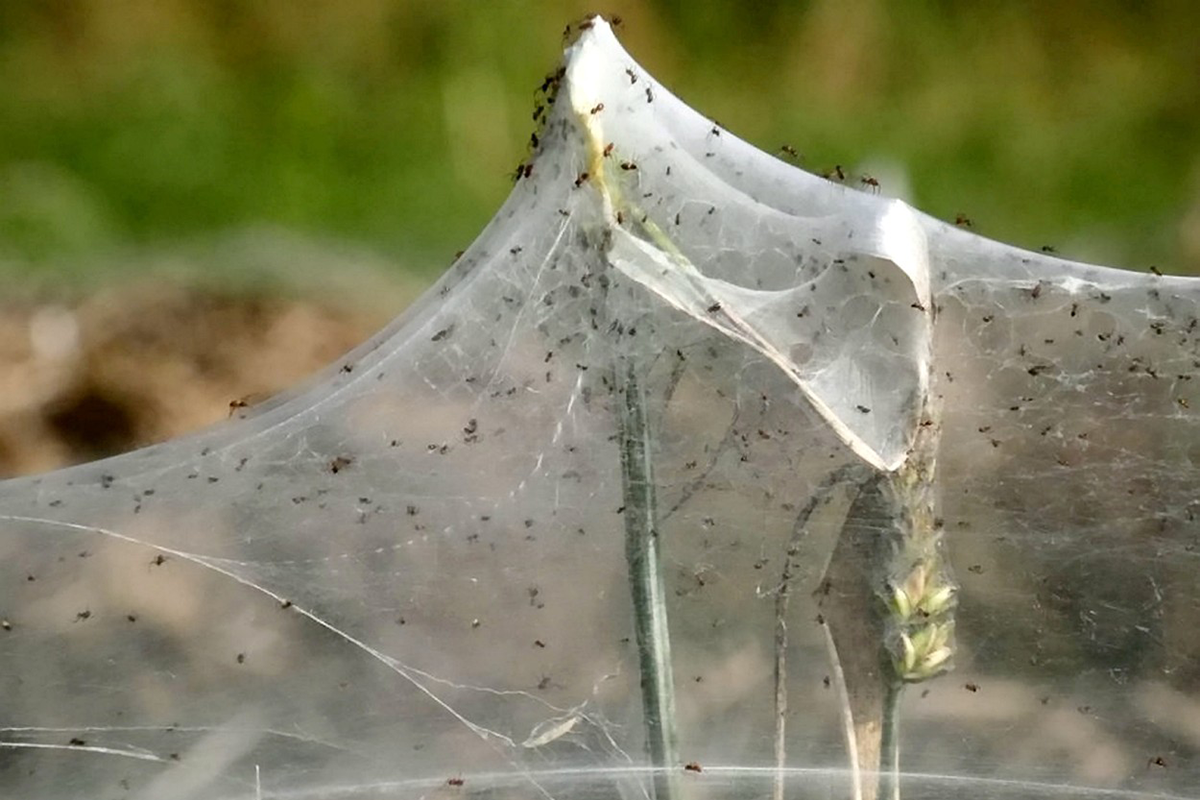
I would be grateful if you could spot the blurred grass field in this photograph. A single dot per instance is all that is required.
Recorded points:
(391, 127)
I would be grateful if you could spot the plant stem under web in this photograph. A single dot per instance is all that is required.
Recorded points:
(888, 599)
(791, 565)
(889, 746)
(645, 579)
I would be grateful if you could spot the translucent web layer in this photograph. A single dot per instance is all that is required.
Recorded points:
(416, 570)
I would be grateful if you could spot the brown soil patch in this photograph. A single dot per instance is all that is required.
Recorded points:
(126, 368)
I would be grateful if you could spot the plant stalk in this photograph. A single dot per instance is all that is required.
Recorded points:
(644, 561)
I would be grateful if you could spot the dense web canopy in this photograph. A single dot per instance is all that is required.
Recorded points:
(684, 471)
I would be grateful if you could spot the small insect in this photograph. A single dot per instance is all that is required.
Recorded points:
(1157, 761)
(632, 76)
(971, 687)
(1156, 270)
(620, 218)
(827, 681)
(516, 177)
(528, 170)
(539, 643)
(608, 148)
(789, 151)
(583, 176)
(1048, 249)
(544, 683)
(863, 409)
(340, 463)
(963, 220)
(917, 306)
(455, 781)
(533, 140)
(596, 109)
(131, 617)
(82, 615)
(285, 604)
(628, 165)
(976, 569)
(835, 172)
(714, 308)
(867, 180)
(77, 742)
(6, 625)
(693, 766)
(158, 560)
(241, 658)
(649, 95)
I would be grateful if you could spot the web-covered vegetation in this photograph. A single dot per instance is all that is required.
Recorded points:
(532, 539)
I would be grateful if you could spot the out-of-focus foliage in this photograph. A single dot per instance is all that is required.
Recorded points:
(396, 124)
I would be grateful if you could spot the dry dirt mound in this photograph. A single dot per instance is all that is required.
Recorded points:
(125, 368)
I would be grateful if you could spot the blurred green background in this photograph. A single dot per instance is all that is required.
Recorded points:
(390, 127)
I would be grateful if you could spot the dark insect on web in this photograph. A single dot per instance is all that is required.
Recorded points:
(836, 172)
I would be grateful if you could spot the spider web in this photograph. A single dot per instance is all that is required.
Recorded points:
(413, 569)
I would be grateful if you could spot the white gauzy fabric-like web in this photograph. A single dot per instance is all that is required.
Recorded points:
(412, 578)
